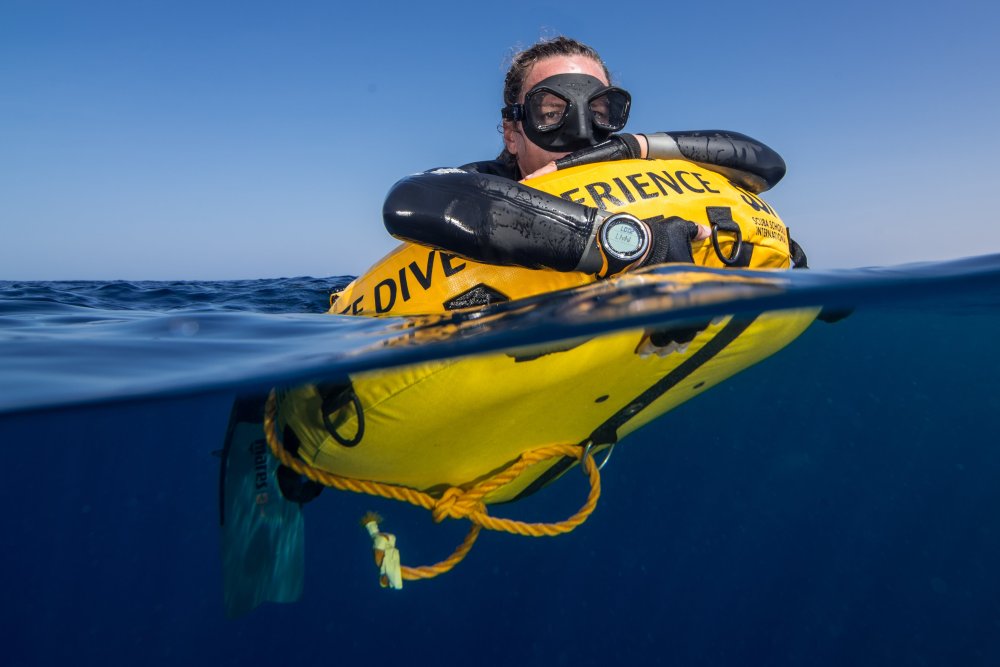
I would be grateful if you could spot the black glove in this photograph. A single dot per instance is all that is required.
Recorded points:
(668, 340)
(671, 241)
(677, 335)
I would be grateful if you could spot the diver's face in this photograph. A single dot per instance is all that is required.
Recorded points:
(530, 156)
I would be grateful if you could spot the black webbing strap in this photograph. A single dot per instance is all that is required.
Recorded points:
(798, 255)
(607, 433)
(721, 219)
(337, 396)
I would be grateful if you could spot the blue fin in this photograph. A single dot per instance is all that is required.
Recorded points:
(263, 534)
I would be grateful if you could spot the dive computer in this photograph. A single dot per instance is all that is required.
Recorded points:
(624, 240)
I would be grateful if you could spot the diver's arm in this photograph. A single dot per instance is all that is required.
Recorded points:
(748, 162)
(492, 219)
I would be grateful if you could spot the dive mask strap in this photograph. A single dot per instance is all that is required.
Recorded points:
(512, 112)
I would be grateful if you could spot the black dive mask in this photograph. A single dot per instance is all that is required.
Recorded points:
(567, 112)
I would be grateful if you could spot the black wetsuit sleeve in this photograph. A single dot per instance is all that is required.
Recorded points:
(724, 150)
(488, 218)
(746, 161)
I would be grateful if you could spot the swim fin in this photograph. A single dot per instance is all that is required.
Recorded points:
(263, 534)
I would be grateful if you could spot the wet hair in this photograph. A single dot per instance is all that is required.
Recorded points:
(523, 61)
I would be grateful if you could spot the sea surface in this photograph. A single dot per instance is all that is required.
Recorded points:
(836, 504)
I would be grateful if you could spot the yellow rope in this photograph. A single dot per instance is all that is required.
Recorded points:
(454, 503)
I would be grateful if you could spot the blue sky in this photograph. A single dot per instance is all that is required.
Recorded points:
(216, 140)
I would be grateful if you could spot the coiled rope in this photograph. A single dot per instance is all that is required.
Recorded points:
(454, 503)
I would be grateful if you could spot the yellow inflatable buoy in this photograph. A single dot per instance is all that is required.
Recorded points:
(459, 434)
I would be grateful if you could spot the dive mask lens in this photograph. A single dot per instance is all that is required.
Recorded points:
(609, 109)
(546, 110)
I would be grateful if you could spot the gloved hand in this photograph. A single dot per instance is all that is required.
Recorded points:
(616, 147)
(672, 240)
(667, 340)
(671, 243)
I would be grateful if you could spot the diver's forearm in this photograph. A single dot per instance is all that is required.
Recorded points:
(492, 219)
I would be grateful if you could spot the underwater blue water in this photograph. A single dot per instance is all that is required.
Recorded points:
(835, 504)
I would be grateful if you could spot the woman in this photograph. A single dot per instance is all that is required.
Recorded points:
(560, 111)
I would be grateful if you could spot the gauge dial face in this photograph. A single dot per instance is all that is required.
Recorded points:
(624, 237)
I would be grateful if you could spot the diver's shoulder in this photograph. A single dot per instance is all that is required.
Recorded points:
(494, 168)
